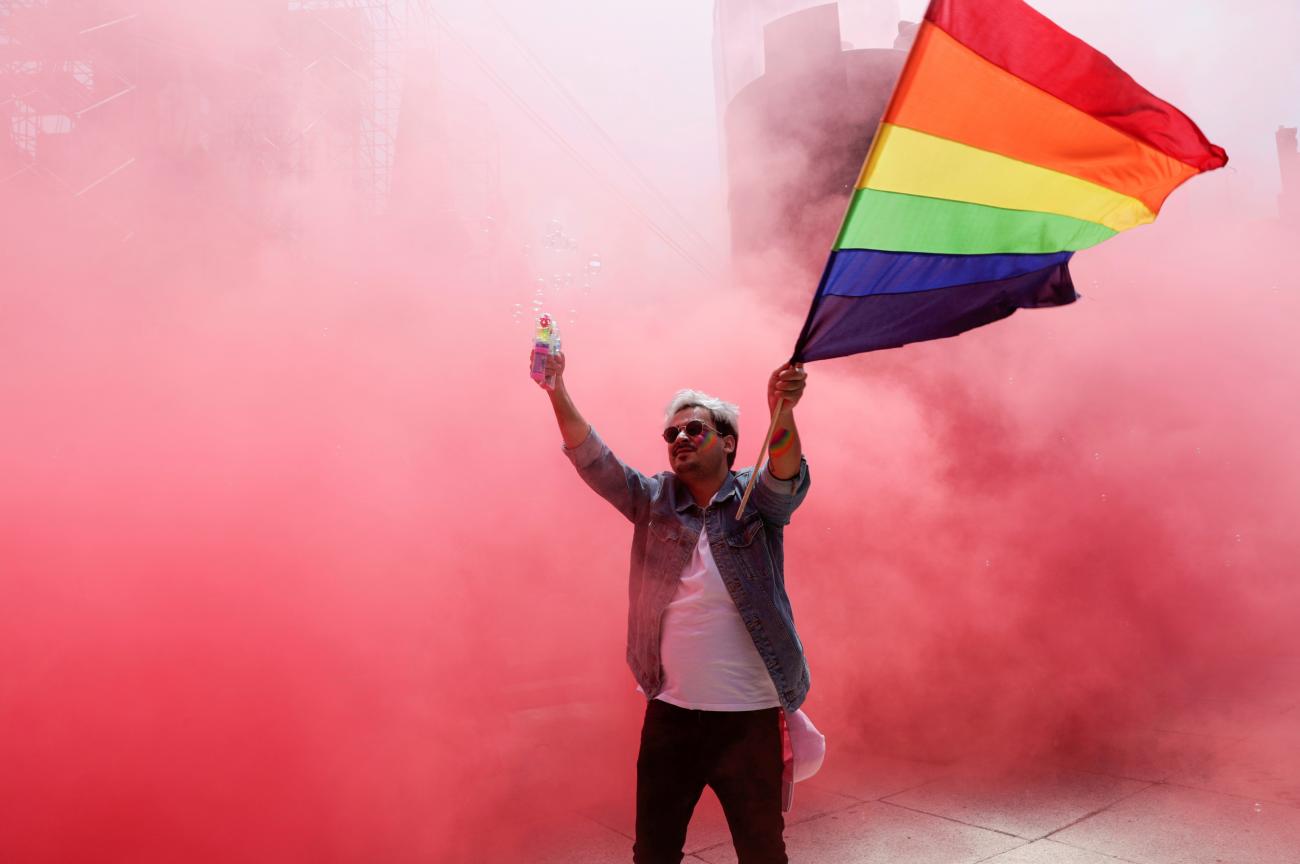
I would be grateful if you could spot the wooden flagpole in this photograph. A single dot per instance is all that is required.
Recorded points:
(866, 163)
(762, 455)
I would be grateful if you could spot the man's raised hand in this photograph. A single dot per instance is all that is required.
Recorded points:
(554, 367)
(786, 383)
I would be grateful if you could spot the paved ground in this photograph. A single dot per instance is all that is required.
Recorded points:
(1219, 784)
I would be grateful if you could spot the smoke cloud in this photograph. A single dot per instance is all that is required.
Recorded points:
(293, 566)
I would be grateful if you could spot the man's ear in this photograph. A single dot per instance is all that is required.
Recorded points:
(732, 448)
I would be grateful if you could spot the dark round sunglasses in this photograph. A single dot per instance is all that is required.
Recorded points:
(692, 428)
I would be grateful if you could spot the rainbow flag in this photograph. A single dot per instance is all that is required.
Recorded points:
(1008, 145)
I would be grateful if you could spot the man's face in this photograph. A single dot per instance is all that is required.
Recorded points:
(702, 456)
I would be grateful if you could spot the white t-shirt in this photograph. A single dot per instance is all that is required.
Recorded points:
(709, 659)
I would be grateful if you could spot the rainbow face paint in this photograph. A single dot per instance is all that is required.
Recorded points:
(782, 441)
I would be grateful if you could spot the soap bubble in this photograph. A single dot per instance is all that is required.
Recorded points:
(554, 237)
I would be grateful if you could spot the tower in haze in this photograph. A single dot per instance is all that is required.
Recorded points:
(800, 87)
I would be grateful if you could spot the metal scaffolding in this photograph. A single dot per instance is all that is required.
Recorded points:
(328, 106)
(380, 79)
(67, 79)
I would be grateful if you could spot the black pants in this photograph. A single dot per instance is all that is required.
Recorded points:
(736, 753)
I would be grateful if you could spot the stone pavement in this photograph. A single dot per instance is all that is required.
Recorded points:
(1217, 784)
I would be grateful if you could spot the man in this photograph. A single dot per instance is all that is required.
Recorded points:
(711, 637)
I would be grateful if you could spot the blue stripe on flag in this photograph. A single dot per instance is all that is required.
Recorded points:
(839, 324)
(860, 272)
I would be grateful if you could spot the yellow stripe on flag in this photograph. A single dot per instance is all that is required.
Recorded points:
(914, 163)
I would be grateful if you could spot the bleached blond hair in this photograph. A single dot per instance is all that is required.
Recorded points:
(725, 415)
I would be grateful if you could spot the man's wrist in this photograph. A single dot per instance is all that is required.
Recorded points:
(777, 483)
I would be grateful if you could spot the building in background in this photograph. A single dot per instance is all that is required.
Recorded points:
(801, 87)
(102, 101)
(68, 88)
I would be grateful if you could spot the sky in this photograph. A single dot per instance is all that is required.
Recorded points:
(1237, 73)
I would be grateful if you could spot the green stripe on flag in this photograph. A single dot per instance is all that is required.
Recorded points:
(894, 222)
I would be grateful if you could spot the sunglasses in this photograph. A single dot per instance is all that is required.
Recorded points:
(692, 428)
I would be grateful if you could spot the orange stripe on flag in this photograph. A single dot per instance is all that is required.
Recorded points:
(949, 91)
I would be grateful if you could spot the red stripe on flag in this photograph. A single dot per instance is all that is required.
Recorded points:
(1010, 34)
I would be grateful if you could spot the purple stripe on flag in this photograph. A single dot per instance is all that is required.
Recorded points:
(860, 272)
(841, 325)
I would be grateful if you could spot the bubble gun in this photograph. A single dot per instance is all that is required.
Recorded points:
(546, 341)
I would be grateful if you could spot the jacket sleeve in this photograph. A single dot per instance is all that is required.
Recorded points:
(627, 489)
(775, 500)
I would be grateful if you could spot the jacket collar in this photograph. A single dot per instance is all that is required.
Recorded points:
(730, 486)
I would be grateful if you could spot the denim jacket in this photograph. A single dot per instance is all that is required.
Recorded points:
(749, 554)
